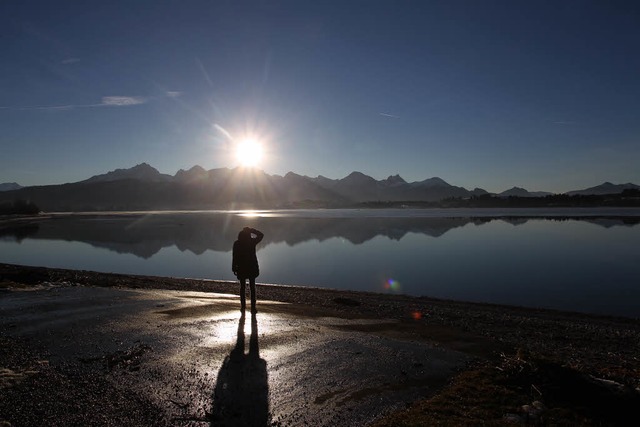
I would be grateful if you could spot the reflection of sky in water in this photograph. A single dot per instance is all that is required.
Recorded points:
(568, 264)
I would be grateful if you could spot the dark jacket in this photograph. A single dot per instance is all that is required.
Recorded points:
(245, 263)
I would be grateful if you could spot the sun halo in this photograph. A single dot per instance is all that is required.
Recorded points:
(249, 153)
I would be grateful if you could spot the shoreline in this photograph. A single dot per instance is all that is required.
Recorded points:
(35, 275)
(512, 326)
(631, 212)
(507, 341)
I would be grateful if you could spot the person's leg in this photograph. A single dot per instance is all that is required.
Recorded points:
(252, 285)
(243, 296)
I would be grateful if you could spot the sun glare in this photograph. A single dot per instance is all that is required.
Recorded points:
(249, 153)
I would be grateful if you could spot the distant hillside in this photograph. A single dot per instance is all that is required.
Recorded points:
(142, 187)
(359, 187)
(142, 172)
(606, 188)
(521, 192)
(8, 186)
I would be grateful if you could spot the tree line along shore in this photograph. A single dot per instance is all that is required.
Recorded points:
(627, 198)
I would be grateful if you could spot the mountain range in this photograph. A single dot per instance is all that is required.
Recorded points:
(8, 186)
(143, 187)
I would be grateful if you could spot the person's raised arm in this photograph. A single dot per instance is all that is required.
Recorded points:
(259, 235)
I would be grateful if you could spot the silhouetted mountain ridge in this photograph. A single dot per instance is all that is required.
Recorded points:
(605, 188)
(8, 186)
(521, 192)
(196, 173)
(432, 182)
(143, 187)
(142, 172)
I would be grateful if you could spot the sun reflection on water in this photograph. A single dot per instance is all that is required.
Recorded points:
(256, 214)
(249, 214)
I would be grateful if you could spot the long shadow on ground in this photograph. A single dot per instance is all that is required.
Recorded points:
(241, 395)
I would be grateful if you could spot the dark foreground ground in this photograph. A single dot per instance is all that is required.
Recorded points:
(499, 365)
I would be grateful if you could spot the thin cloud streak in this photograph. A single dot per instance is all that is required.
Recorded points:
(223, 131)
(391, 116)
(204, 73)
(70, 61)
(122, 101)
(53, 107)
(107, 101)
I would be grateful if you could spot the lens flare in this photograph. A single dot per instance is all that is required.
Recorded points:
(392, 285)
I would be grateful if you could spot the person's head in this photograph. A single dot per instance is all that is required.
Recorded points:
(244, 234)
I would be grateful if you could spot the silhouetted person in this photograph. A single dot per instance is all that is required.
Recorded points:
(245, 263)
(241, 396)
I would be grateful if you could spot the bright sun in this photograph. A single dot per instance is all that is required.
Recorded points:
(249, 152)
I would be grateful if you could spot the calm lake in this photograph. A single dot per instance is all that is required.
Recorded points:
(569, 259)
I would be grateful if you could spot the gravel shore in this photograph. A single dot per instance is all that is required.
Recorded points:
(512, 342)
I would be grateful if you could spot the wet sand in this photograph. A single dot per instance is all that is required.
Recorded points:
(91, 348)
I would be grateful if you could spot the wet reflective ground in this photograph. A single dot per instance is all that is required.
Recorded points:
(197, 359)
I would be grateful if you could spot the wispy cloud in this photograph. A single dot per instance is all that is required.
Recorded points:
(204, 72)
(122, 101)
(107, 101)
(49, 107)
(223, 131)
(565, 122)
(68, 61)
(391, 116)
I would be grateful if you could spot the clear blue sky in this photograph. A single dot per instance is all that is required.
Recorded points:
(543, 95)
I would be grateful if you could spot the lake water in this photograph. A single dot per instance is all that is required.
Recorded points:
(569, 259)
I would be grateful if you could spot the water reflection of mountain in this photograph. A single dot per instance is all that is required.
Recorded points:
(145, 235)
(19, 233)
